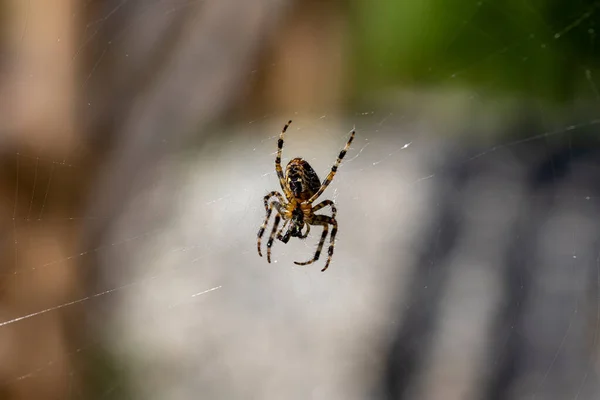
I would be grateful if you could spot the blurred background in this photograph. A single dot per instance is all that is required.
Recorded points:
(138, 138)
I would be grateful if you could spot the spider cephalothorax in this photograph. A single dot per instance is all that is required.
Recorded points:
(301, 187)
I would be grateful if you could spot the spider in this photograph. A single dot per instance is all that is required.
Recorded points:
(301, 187)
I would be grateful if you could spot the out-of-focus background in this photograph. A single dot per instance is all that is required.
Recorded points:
(137, 139)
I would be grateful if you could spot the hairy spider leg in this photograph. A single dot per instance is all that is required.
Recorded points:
(261, 231)
(322, 204)
(272, 237)
(274, 193)
(280, 233)
(331, 243)
(329, 177)
(317, 221)
(278, 161)
(325, 221)
(326, 203)
(285, 238)
(307, 232)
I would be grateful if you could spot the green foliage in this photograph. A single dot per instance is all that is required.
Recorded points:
(534, 48)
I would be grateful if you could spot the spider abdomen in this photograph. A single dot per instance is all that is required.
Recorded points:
(301, 179)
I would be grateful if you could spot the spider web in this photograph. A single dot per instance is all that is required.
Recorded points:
(181, 305)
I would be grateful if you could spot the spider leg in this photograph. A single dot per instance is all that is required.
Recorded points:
(329, 177)
(272, 237)
(326, 203)
(285, 238)
(273, 193)
(261, 231)
(333, 222)
(278, 160)
(331, 243)
(317, 221)
(306, 234)
(279, 234)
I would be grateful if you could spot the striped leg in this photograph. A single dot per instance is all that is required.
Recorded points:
(319, 220)
(329, 177)
(326, 203)
(333, 221)
(306, 234)
(272, 237)
(285, 238)
(278, 159)
(261, 231)
(276, 194)
(280, 233)
(331, 243)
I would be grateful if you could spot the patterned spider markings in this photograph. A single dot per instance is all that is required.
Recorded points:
(301, 187)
